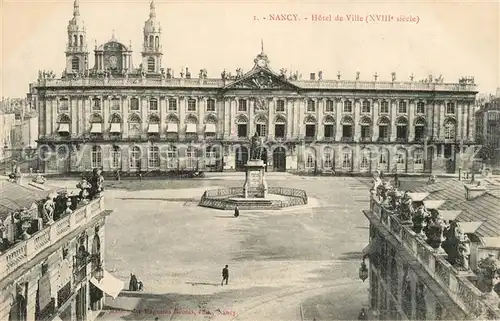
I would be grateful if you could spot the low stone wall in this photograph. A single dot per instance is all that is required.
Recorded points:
(220, 199)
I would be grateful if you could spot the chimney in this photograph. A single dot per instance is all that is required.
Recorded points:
(313, 76)
(473, 191)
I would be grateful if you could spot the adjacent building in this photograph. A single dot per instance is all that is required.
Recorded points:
(444, 267)
(113, 115)
(51, 270)
(488, 131)
(7, 122)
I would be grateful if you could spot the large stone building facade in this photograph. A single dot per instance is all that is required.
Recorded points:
(115, 116)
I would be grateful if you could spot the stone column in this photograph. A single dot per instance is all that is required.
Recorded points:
(53, 121)
(227, 116)
(105, 113)
(442, 106)
(143, 112)
(125, 105)
(430, 119)
(48, 115)
(233, 107)
(393, 110)
(357, 113)
(300, 117)
(411, 118)
(292, 116)
(472, 123)
(202, 105)
(73, 107)
(465, 112)
(250, 113)
(338, 118)
(86, 114)
(320, 133)
(270, 122)
(182, 117)
(459, 113)
(376, 104)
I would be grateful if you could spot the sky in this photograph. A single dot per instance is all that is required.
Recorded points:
(452, 38)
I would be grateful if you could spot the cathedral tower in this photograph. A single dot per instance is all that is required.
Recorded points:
(151, 52)
(76, 51)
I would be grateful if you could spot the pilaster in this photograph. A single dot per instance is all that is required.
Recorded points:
(292, 116)
(250, 112)
(143, 112)
(232, 110)
(465, 118)
(375, 106)
(182, 117)
(300, 117)
(320, 132)
(202, 106)
(86, 114)
(411, 118)
(73, 107)
(393, 110)
(459, 120)
(430, 119)
(338, 127)
(441, 106)
(356, 114)
(126, 108)
(53, 119)
(270, 122)
(106, 108)
(472, 123)
(162, 109)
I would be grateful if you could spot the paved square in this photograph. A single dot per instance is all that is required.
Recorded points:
(284, 265)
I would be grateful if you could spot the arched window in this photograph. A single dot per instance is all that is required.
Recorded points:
(134, 125)
(212, 154)
(157, 42)
(401, 128)
(310, 158)
(19, 311)
(365, 159)
(172, 157)
(310, 122)
(328, 157)
(81, 40)
(261, 126)
(75, 40)
(449, 130)
(383, 160)
(135, 157)
(116, 157)
(75, 63)
(153, 157)
(151, 64)
(418, 159)
(151, 41)
(242, 126)
(191, 158)
(96, 157)
(347, 159)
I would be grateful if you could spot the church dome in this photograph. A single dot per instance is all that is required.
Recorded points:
(76, 24)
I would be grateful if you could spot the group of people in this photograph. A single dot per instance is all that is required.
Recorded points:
(135, 284)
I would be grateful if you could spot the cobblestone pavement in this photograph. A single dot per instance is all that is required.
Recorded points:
(299, 263)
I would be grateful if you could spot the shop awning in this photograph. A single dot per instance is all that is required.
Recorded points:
(172, 128)
(96, 128)
(109, 284)
(449, 215)
(115, 128)
(191, 128)
(63, 128)
(433, 204)
(469, 227)
(418, 197)
(153, 128)
(210, 128)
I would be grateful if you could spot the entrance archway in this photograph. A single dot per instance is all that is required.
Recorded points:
(279, 159)
(241, 156)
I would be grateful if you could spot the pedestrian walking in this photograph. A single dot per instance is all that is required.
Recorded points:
(362, 315)
(236, 211)
(225, 275)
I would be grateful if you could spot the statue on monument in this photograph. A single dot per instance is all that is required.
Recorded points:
(255, 147)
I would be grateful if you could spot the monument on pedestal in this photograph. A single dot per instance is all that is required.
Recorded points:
(255, 180)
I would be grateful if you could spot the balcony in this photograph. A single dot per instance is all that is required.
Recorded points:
(347, 139)
(365, 139)
(456, 283)
(24, 251)
(402, 140)
(383, 139)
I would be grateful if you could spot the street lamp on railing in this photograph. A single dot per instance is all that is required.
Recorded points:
(363, 271)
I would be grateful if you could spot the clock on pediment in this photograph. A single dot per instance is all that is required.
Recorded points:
(261, 60)
(113, 62)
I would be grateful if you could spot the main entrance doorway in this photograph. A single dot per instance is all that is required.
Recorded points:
(241, 155)
(279, 159)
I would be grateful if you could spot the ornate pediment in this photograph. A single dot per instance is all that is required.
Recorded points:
(261, 78)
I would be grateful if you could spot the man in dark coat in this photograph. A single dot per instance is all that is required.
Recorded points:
(225, 275)
(236, 211)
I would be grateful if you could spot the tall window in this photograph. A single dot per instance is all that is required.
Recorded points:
(96, 157)
(134, 104)
(75, 63)
(311, 106)
(242, 105)
(261, 129)
(96, 104)
(135, 157)
(347, 106)
(172, 156)
(329, 130)
(134, 126)
(347, 159)
(328, 158)
(384, 107)
(280, 106)
(191, 158)
(151, 64)
(365, 163)
(418, 156)
(310, 159)
(401, 129)
(310, 130)
(63, 105)
(450, 108)
(153, 105)
(449, 130)
(420, 108)
(329, 107)
(210, 105)
(116, 157)
(153, 157)
(366, 107)
(115, 104)
(191, 105)
(383, 159)
(172, 104)
(402, 107)
(419, 129)
(211, 155)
